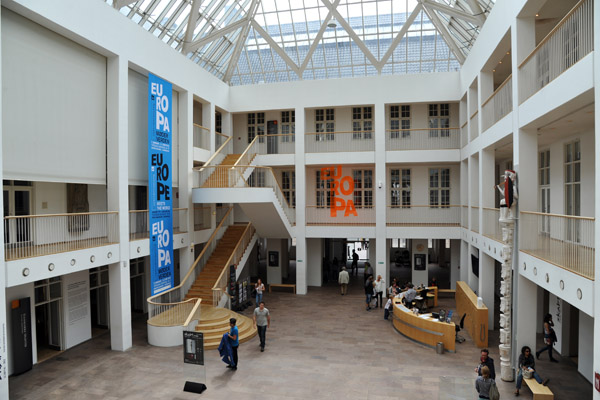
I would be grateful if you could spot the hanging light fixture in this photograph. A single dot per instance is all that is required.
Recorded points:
(332, 23)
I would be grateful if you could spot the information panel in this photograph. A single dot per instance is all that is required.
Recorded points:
(159, 183)
(193, 347)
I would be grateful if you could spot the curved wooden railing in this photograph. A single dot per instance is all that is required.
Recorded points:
(220, 287)
(168, 308)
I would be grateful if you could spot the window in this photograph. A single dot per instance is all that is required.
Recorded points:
(400, 121)
(362, 122)
(218, 122)
(363, 188)
(439, 120)
(544, 172)
(256, 125)
(401, 188)
(573, 178)
(439, 187)
(288, 187)
(325, 122)
(257, 178)
(323, 191)
(399, 243)
(288, 126)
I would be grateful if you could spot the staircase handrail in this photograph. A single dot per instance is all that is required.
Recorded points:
(153, 304)
(215, 154)
(219, 287)
(245, 153)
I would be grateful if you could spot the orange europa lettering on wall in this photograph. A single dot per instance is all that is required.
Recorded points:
(340, 186)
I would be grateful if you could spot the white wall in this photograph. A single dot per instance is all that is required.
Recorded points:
(314, 262)
(586, 347)
(55, 97)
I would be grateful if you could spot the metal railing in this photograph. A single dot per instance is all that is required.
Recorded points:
(474, 126)
(276, 144)
(169, 308)
(422, 139)
(317, 215)
(498, 105)
(201, 137)
(464, 134)
(201, 218)
(464, 217)
(491, 225)
(332, 142)
(567, 43)
(475, 219)
(220, 287)
(139, 225)
(423, 215)
(563, 240)
(40, 235)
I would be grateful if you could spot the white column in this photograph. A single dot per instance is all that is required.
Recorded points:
(186, 176)
(274, 268)
(486, 285)
(486, 185)
(380, 261)
(455, 261)
(117, 193)
(208, 121)
(463, 272)
(300, 229)
(596, 347)
(419, 247)
(3, 343)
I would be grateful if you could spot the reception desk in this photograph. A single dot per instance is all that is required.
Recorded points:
(422, 328)
(476, 321)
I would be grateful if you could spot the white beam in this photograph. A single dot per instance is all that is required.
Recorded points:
(118, 4)
(241, 41)
(409, 21)
(318, 38)
(477, 11)
(276, 47)
(195, 45)
(456, 13)
(445, 34)
(352, 34)
(191, 26)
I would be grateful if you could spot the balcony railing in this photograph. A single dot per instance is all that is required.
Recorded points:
(220, 139)
(475, 219)
(318, 215)
(201, 218)
(331, 142)
(139, 223)
(566, 44)
(276, 144)
(474, 127)
(491, 224)
(563, 240)
(464, 217)
(423, 139)
(423, 215)
(201, 137)
(464, 134)
(40, 235)
(251, 151)
(498, 105)
(169, 308)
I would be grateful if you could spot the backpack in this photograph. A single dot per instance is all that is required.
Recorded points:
(494, 394)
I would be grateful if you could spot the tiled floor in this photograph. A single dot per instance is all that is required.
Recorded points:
(319, 346)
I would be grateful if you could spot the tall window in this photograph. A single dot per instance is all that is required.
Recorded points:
(573, 188)
(439, 187)
(363, 188)
(401, 190)
(362, 122)
(257, 178)
(544, 171)
(256, 125)
(288, 126)
(325, 122)
(439, 120)
(288, 187)
(323, 191)
(400, 121)
(218, 122)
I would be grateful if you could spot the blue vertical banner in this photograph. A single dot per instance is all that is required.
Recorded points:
(160, 191)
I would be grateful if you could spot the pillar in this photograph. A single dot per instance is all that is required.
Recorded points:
(186, 176)
(381, 260)
(208, 121)
(301, 245)
(274, 260)
(419, 248)
(487, 269)
(455, 261)
(596, 316)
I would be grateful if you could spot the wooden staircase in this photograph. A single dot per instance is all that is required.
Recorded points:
(214, 322)
(220, 176)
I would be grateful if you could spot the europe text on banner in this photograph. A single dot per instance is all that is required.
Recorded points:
(159, 184)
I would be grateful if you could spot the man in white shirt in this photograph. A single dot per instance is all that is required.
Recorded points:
(262, 320)
(343, 280)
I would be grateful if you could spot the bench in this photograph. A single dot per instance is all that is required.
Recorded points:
(540, 392)
(283, 285)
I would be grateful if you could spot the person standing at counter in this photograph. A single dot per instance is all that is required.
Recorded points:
(410, 294)
(388, 307)
(369, 291)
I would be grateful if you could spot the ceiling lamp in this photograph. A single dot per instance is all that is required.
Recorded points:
(332, 23)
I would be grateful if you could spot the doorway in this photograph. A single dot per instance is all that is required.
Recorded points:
(48, 317)
(137, 287)
(17, 203)
(99, 299)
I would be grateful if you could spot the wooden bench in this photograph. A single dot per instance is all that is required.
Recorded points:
(540, 392)
(283, 285)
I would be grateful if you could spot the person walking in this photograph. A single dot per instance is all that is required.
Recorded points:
(486, 360)
(369, 291)
(259, 287)
(527, 367)
(388, 307)
(549, 338)
(235, 342)
(262, 320)
(483, 383)
(343, 280)
(354, 262)
(379, 288)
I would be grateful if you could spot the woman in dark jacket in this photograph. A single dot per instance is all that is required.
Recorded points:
(549, 338)
(527, 362)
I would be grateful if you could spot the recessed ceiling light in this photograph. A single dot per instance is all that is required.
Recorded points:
(537, 15)
(493, 70)
(500, 62)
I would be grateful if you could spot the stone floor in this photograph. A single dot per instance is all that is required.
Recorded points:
(319, 346)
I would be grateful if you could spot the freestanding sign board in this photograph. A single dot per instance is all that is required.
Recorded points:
(193, 347)
(159, 183)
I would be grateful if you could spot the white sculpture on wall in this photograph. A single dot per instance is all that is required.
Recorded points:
(508, 189)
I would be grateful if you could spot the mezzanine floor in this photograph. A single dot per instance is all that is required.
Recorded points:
(319, 346)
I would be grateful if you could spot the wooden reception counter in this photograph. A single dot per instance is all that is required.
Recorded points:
(476, 321)
(422, 328)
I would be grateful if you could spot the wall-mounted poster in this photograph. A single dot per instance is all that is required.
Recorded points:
(420, 262)
(273, 259)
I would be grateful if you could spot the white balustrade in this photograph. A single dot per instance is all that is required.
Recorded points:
(423, 139)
